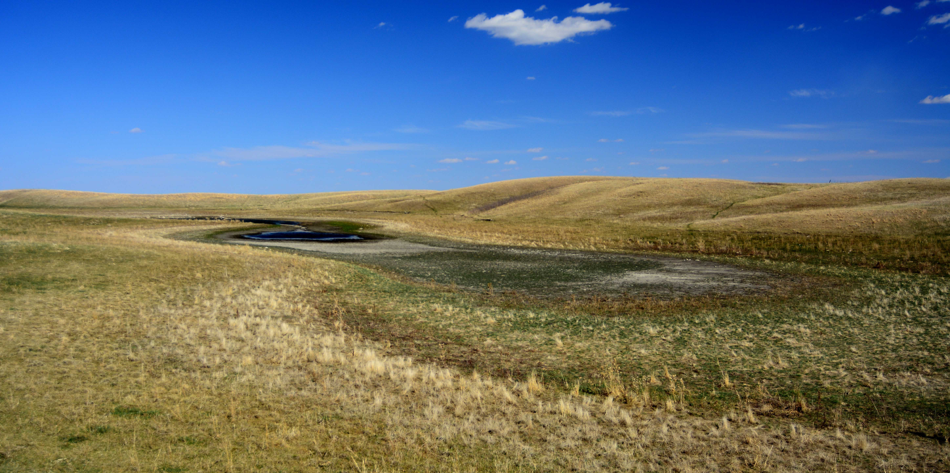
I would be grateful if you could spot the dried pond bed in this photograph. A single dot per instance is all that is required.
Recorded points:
(535, 272)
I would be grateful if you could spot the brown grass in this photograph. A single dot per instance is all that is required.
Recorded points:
(123, 350)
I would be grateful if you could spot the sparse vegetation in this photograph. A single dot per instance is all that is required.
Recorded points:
(123, 349)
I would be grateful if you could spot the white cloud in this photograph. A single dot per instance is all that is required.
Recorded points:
(135, 130)
(932, 100)
(605, 140)
(493, 161)
(147, 161)
(314, 150)
(635, 164)
(861, 17)
(614, 113)
(529, 78)
(803, 126)
(381, 24)
(642, 110)
(528, 31)
(940, 20)
(485, 125)
(932, 161)
(602, 8)
(469, 158)
(535, 150)
(811, 93)
(657, 150)
(764, 134)
(511, 163)
(889, 10)
(540, 158)
(453, 18)
(542, 8)
(801, 27)
(725, 161)
(450, 160)
(591, 160)
(411, 129)
(923, 3)
(663, 168)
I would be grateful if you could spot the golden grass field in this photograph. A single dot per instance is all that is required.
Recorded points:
(130, 342)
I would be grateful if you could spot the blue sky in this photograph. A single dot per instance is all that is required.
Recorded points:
(281, 97)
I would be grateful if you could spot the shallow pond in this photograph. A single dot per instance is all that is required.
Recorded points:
(303, 235)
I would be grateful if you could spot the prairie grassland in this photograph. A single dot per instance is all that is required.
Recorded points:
(901, 224)
(124, 350)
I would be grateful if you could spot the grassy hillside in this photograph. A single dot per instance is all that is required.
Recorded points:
(899, 224)
(193, 201)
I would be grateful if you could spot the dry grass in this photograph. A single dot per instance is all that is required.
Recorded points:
(899, 224)
(123, 350)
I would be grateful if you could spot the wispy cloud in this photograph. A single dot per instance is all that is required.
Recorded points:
(511, 162)
(529, 78)
(624, 113)
(453, 18)
(605, 140)
(542, 8)
(890, 10)
(535, 150)
(924, 3)
(811, 93)
(450, 160)
(493, 161)
(932, 161)
(524, 30)
(932, 121)
(801, 27)
(602, 8)
(135, 130)
(540, 158)
(612, 113)
(763, 134)
(930, 99)
(483, 125)
(469, 158)
(411, 129)
(940, 20)
(313, 149)
(803, 126)
(147, 161)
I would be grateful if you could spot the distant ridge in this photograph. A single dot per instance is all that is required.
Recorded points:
(889, 206)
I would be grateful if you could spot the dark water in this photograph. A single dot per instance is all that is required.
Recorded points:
(303, 235)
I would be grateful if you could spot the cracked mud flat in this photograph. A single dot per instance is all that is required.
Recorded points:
(538, 272)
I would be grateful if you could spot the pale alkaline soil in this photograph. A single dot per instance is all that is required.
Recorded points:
(124, 350)
(535, 272)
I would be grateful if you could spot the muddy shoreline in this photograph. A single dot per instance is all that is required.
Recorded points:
(537, 272)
